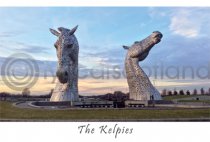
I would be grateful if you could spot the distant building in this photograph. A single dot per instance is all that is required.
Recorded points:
(164, 92)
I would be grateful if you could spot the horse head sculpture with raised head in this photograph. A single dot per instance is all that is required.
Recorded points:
(140, 87)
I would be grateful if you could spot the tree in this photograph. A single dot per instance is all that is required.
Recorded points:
(195, 92)
(202, 91)
(188, 92)
(169, 93)
(119, 95)
(175, 92)
(26, 92)
(181, 92)
(209, 91)
(109, 96)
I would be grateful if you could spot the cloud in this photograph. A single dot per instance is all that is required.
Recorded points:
(156, 13)
(176, 50)
(182, 23)
(184, 27)
(9, 34)
(10, 47)
(31, 48)
(189, 22)
(101, 57)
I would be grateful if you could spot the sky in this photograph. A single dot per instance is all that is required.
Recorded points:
(101, 33)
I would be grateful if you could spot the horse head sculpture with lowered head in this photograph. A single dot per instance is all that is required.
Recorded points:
(67, 50)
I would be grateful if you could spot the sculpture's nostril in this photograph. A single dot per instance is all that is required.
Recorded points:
(66, 73)
(57, 73)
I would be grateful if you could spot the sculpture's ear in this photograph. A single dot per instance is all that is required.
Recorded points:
(73, 30)
(54, 32)
(126, 47)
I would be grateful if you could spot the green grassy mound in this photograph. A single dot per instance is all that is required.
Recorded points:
(8, 111)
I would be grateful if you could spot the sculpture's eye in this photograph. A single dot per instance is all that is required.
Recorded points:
(70, 46)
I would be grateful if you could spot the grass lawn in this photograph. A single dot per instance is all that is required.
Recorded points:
(168, 98)
(204, 101)
(7, 111)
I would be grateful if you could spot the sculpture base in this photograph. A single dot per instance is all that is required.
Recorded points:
(136, 103)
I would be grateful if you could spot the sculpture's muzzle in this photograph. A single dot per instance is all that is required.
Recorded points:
(62, 75)
(157, 36)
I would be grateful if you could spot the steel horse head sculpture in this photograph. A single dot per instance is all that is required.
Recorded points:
(140, 87)
(67, 49)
